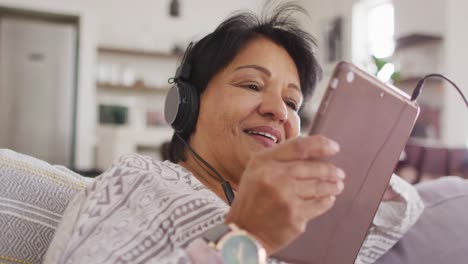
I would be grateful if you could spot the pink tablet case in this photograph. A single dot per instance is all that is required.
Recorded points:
(372, 122)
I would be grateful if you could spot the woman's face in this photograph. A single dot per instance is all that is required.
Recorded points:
(248, 106)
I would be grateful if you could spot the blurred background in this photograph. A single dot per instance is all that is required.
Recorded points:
(83, 81)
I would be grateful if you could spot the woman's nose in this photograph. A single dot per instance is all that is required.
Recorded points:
(274, 107)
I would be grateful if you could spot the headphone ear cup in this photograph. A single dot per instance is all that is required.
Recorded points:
(181, 107)
(190, 108)
(171, 105)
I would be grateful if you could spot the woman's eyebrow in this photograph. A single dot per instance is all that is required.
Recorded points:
(295, 87)
(256, 67)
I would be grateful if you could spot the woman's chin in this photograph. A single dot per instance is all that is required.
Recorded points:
(254, 148)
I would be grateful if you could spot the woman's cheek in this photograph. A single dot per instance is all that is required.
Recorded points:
(292, 126)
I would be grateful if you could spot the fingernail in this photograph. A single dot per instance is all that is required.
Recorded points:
(340, 173)
(334, 146)
(340, 185)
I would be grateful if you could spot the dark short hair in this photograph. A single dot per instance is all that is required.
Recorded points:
(215, 51)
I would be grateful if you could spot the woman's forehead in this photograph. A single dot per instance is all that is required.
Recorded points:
(265, 54)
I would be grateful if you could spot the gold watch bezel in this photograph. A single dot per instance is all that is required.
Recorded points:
(236, 231)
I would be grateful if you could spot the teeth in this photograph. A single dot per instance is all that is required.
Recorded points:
(270, 136)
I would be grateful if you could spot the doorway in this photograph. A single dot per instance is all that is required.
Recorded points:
(38, 82)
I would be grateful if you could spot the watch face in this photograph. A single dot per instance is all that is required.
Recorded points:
(239, 249)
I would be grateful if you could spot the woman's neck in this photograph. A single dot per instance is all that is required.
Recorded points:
(204, 175)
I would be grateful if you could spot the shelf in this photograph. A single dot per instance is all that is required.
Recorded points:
(416, 39)
(132, 88)
(138, 52)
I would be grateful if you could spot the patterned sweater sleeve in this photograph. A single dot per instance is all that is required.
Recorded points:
(120, 219)
(391, 222)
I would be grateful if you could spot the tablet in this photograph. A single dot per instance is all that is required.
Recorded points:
(372, 122)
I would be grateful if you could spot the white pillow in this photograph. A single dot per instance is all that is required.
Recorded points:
(33, 197)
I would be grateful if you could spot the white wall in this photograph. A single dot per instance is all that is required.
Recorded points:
(143, 24)
(446, 18)
(422, 16)
(146, 23)
(138, 24)
(455, 115)
(320, 13)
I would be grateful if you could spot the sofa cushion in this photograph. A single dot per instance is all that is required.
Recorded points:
(33, 197)
(440, 235)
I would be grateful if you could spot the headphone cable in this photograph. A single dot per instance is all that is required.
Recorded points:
(227, 189)
(420, 84)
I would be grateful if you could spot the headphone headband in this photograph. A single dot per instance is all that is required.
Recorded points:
(183, 71)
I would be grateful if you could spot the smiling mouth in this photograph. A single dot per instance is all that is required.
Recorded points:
(263, 134)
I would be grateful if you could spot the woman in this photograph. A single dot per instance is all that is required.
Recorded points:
(252, 77)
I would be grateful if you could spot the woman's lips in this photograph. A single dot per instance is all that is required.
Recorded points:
(263, 140)
(266, 135)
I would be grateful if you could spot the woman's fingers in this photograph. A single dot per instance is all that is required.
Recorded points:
(302, 148)
(312, 179)
(283, 187)
(314, 189)
(313, 169)
(316, 207)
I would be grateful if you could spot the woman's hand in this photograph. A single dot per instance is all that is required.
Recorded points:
(283, 187)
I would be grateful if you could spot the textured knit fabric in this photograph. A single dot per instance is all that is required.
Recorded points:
(33, 197)
(392, 221)
(145, 211)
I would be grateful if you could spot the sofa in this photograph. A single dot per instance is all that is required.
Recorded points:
(34, 195)
(441, 233)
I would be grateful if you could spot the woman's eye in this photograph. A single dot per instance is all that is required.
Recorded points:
(292, 105)
(252, 87)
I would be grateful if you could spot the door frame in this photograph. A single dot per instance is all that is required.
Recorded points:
(8, 12)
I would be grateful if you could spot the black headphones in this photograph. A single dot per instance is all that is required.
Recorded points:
(182, 101)
(181, 112)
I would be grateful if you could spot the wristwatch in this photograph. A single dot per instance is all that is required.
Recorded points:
(235, 245)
